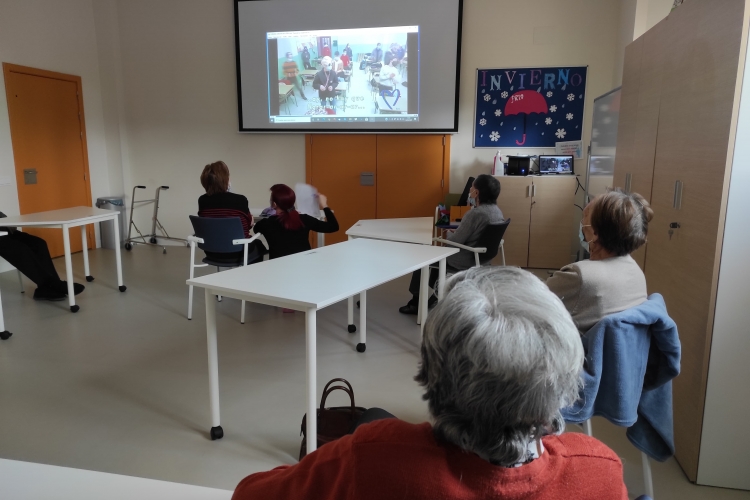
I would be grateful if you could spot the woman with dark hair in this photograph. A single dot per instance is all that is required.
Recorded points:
(288, 232)
(614, 225)
(219, 202)
(500, 357)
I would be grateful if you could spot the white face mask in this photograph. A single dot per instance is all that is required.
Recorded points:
(582, 237)
(229, 187)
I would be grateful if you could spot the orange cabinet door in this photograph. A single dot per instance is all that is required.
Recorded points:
(335, 164)
(410, 175)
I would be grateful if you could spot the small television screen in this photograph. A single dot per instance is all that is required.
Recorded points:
(555, 165)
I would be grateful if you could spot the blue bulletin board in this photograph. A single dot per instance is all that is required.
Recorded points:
(529, 107)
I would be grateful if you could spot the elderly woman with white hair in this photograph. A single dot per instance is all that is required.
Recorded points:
(325, 82)
(500, 357)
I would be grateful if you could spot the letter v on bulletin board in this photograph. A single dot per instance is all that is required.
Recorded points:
(529, 107)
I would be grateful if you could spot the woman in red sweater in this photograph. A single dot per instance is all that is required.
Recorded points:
(500, 357)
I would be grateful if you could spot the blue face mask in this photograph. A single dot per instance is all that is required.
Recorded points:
(584, 243)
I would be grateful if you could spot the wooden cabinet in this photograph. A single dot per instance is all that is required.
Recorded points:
(408, 175)
(681, 94)
(541, 226)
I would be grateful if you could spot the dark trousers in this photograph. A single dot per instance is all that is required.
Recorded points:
(417, 276)
(30, 255)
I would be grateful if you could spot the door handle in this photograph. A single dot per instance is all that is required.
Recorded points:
(533, 190)
(677, 201)
(367, 179)
(29, 176)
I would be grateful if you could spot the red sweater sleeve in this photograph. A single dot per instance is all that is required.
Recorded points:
(324, 474)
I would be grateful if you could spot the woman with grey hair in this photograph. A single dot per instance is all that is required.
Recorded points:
(500, 357)
(614, 225)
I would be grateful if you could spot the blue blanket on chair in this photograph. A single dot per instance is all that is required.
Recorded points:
(631, 359)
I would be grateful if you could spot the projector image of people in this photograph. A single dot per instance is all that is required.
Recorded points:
(555, 165)
(354, 75)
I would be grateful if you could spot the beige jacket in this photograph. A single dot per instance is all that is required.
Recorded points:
(593, 289)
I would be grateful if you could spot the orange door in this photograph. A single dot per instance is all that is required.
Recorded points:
(49, 139)
(410, 175)
(335, 164)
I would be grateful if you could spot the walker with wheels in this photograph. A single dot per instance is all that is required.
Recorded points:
(152, 238)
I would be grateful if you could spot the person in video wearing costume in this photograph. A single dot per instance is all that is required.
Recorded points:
(325, 82)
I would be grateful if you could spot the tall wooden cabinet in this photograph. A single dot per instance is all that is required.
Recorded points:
(678, 119)
(369, 176)
(541, 224)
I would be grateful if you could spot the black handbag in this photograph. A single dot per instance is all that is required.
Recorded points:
(335, 422)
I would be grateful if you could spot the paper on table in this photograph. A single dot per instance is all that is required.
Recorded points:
(307, 200)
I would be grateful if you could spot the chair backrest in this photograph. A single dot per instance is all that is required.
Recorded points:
(218, 234)
(491, 238)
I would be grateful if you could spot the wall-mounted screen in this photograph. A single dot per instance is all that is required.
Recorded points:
(348, 66)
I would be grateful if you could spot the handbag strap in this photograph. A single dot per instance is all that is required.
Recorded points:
(339, 388)
(338, 380)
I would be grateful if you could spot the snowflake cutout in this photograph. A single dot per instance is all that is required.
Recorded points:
(483, 122)
(569, 116)
(487, 97)
(549, 94)
(504, 95)
(548, 121)
(498, 112)
(494, 136)
(571, 97)
(560, 133)
(552, 108)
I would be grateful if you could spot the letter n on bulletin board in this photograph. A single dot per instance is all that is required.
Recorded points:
(529, 107)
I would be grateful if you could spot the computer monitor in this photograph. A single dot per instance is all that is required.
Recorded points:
(555, 164)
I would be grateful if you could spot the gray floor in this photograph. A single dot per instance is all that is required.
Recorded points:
(122, 386)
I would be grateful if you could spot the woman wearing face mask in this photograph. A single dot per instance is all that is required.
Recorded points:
(614, 225)
(484, 193)
(325, 82)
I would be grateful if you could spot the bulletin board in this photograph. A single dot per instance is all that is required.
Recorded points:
(529, 107)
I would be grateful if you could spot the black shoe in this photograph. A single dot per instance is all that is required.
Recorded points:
(48, 294)
(413, 306)
(62, 287)
(303, 97)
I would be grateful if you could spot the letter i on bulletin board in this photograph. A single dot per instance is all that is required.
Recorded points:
(529, 107)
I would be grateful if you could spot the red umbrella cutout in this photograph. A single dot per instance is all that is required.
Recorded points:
(525, 102)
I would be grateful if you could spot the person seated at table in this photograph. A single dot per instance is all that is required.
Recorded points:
(483, 194)
(376, 55)
(325, 82)
(220, 202)
(288, 232)
(30, 255)
(614, 225)
(388, 76)
(291, 73)
(339, 66)
(500, 357)
(389, 56)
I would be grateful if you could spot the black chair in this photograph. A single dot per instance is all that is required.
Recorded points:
(490, 243)
(220, 236)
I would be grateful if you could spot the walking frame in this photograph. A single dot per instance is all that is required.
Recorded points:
(152, 241)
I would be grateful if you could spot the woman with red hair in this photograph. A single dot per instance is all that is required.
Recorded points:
(288, 231)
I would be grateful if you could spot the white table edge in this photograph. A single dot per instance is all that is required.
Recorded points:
(71, 223)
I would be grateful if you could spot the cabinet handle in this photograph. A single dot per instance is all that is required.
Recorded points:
(533, 190)
(528, 191)
(628, 183)
(677, 201)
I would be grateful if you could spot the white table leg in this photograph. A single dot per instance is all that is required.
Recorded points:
(118, 256)
(85, 249)
(4, 335)
(424, 294)
(213, 366)
(350, 310)
(312, 389)
(362, 322)
(69, 268)
(441, 279)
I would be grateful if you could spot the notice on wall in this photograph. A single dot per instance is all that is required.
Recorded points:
(529, 107)
(5, 180)
(574, 148)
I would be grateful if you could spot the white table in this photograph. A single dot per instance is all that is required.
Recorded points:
(65, 219)
(4, 334)
(417, 230)
(307, 282)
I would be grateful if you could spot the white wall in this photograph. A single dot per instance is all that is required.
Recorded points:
(725, 443)
(56, 36)
(180, 109)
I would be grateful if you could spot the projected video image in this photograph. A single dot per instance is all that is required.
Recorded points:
(344, 75)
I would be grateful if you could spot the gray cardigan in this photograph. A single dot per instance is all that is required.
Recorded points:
(593, 289)
(470, 230)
